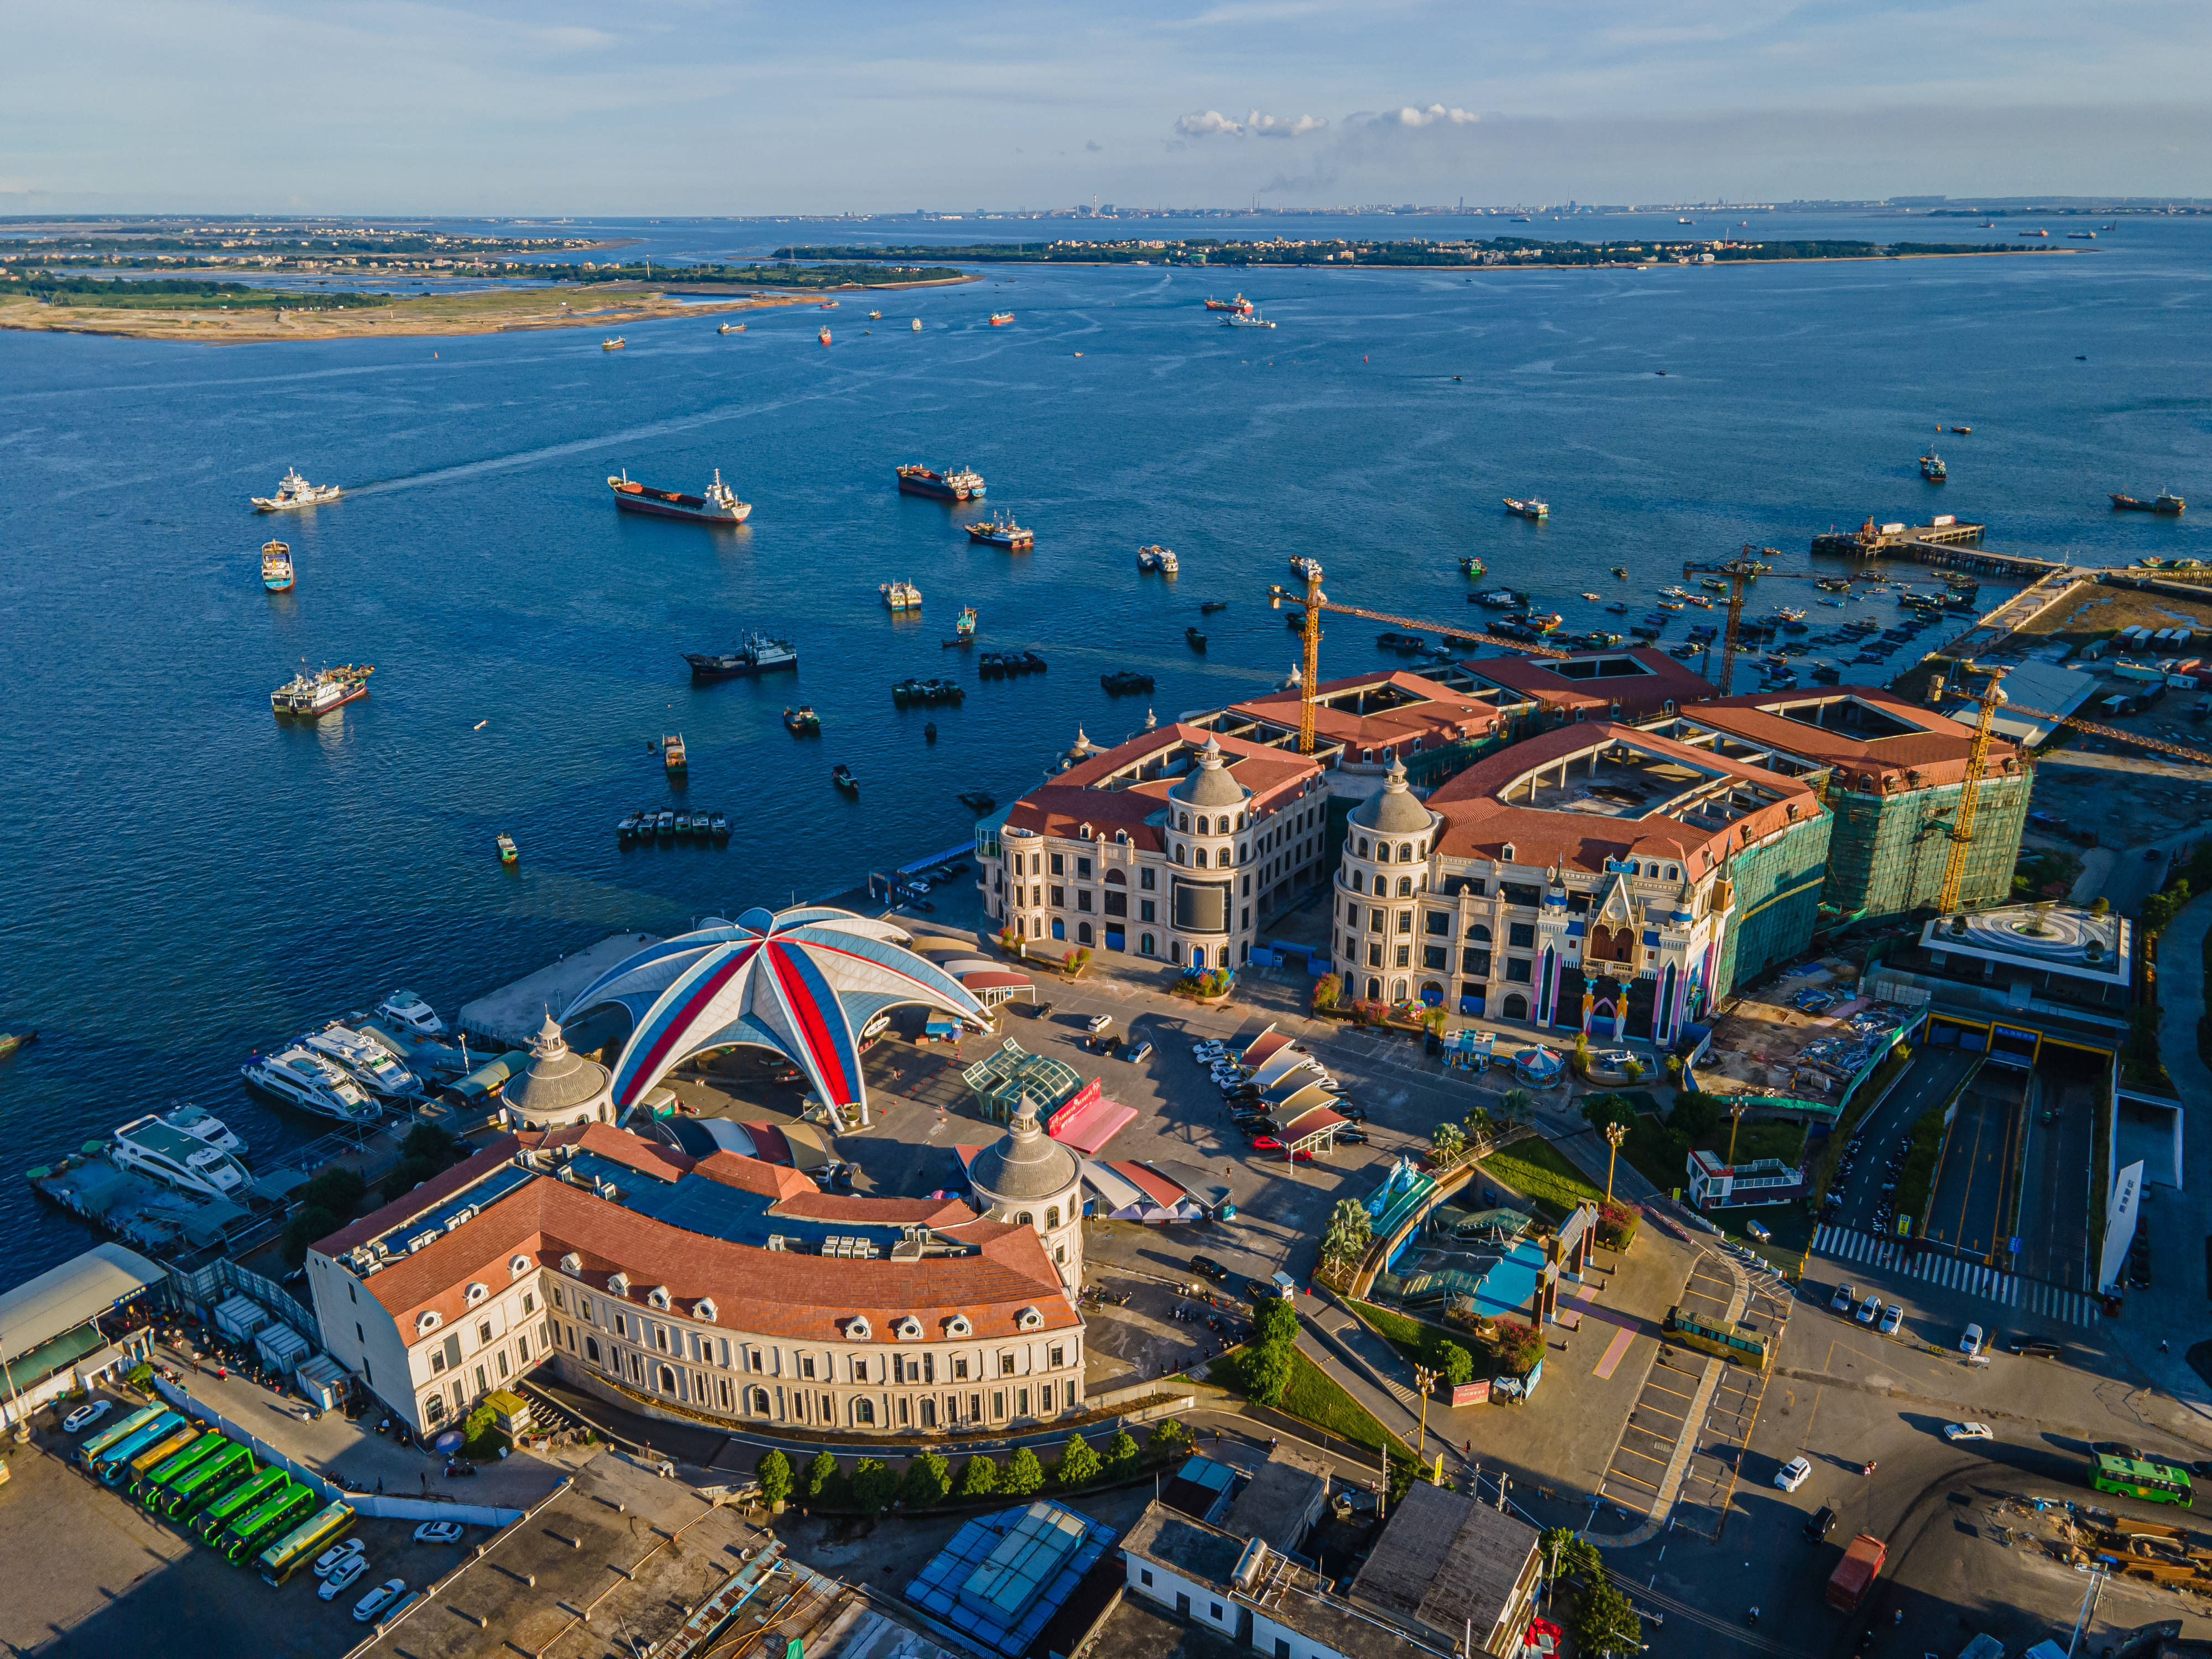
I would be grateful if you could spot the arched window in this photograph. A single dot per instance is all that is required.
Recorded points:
(1144, 946)
(1421, 849)
(1478, 931)
(1405, 887)
(1198, 857)
(1183, 821)
(1202, 829)
(1026, 1219)
(1374, 990)
(592, 1349)
(1405, 852)
(433, 1408)
(665, 1379)
(1397, 990)
(1363, 847)
(1359, 882)
(1674, 872)
(1382, 851)
(864, 1411)
(756, 1401)
(1083, 932)
(1178, 853)
(1516, 1007)
(1115, 879)
(1123, 836)
(1052, 1218)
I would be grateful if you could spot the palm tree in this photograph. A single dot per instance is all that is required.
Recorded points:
(1519, 1103)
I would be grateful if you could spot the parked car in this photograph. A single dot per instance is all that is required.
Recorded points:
(1820, 1523)
(1970, 1341)
(85, 1416)
(1041, 1010)
(1099, 1022)
(1350, 1111)
(337, 1556)
(1892, 1317)
(2115, 1449)
(438, 1532)
(1351, 1137)
(378, 1600)
(1869, 1310)
(1843, 1299)
(1266, 1144)
(1955, 1432)
(1212, 1270)
(1139, 1054)
(342, 1576)
(1794, 1473)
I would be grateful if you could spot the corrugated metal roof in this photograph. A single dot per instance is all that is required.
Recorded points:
(63, 1298)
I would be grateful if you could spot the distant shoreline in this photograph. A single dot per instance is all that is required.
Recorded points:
(611, 306)
(1521, 264)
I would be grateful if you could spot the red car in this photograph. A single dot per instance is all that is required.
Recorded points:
(1266, 1144)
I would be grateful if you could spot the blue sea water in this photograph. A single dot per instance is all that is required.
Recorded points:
(186, 880)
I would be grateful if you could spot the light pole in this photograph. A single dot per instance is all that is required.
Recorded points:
(1735, 1123)
(1615, 1134)
(1425, 1379)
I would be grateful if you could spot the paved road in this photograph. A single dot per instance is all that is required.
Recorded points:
(1932, 1078)
(2056, 1172)
(1970, 1212)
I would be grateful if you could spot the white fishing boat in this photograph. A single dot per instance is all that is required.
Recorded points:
(293, 490)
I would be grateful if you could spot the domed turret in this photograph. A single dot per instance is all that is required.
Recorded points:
(1394, 812)
(1030, 1178)
(1208, 783)
(559, 1087)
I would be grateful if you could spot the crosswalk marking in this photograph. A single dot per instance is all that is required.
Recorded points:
(1953, 1272)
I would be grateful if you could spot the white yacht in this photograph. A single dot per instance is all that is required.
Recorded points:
(206, 1127)
(310, 1082)
(293, 490)
(368, 1063)
(410, 1014)
(148, 1145)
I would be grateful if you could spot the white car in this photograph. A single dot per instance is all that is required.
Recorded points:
(1794, 1473)
(1955, 1433)
(1970, 1341)
(438, 1532)
(378, 1600)
(1869, 1310)
(85, 1416)
(1892, 1317)
(343, 1576)
(337, 1556)
(1099, 1022)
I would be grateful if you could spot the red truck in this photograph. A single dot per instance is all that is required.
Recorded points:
(1855, 1573)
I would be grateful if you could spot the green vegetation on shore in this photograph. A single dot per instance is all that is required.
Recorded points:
(752, 276)
(1497, 251)
(173, 293)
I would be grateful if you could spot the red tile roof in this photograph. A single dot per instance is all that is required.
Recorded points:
(1074, 798)
(1936, 750)
(1441, 715)
(774, 1293)
(1639, 694)
(1477, 824)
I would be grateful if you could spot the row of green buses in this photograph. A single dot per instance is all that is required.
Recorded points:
(216, 1487)
(2131, 1477)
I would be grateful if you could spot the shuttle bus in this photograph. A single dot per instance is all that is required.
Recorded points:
(97, 1443)
(146, 1434)
(124, 1471)
(148, 1486)
(210, 1522)
(265, 1521)
(207, 1480)
(305, 1541)
(2153, 1482)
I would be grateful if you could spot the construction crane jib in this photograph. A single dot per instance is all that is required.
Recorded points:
(1978, 755)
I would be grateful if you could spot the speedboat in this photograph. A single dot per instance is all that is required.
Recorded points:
(206, 1127)
(366, 1061)
(148, 1145)
(410, 1014)
(310, 1082)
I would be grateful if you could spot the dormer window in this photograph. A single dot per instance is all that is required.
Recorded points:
(572, 1265)
(517, 1266)
(618, 1284)
(658, 1297)
(1029, 1319)
(703, 1310)
(1505, 854)
(426, 1322)
(910, 1330)
(476, 1293)
(857, 1329)
(958, 1326)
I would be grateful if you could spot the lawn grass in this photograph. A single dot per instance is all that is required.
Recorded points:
(1314, 1397)
(1784, 1142)
(1537, 1170)
(1418, 1339)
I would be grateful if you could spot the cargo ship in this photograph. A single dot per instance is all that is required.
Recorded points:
(1247, 319)
(1001, 531)
(293, 490)
(759, 654)
(719, 505)
(306, 696)
(824, 334)
(1932, 468)
(1240, 303)
(2165, 502)
(276, 566)
(613, 342)
(1527, 510)
(1000, 318)
(730, 328)
(961, 484)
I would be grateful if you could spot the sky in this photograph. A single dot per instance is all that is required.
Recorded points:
(703, 106)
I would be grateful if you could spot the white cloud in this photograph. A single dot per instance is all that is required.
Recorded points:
(1432, 116)
(573, 38)
(1283, 126)
(1206, 124)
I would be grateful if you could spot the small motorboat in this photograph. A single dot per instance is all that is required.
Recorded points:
(11, 1040)
(978, 800)
(824, 336)
(841, 776)
(917, 325)
(802, 721)
(718, 825)
(507, 853)
(1621, 571)
(875, 316)
(730, 328)
(1962, 430)
(929, 732)
(627, 828)
(1469, 565)
(1591, 596)
(1618, 610)
(613, 342)
(1195, 640)
(1212, 606)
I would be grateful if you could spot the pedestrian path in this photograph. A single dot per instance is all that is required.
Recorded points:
(1940, 1267)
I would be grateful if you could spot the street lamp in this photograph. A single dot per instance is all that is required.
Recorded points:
(1615, 1134)
(1425, 1379)
(1735, 1123)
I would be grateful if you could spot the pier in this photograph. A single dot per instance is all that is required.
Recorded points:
(1946, 543)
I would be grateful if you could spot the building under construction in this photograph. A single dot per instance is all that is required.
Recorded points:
(1894, 776)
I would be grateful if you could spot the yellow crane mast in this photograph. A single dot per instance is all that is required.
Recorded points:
(1962, 825)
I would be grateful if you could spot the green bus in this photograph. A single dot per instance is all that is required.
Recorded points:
(2154, 1483)
(265, 1521)
(148, 1486)
(123, 1471)
(207, 1480)
(305, 1541)
(237, 1501)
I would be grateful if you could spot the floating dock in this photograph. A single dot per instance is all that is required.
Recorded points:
(1946, 543)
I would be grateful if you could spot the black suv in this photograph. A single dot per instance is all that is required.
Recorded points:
(1819, 1523)
(1211, 1269)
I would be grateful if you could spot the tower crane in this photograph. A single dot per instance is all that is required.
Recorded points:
(1962, 825)
(1315, 602)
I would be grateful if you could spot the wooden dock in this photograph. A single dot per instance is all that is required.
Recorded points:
(1946, 543)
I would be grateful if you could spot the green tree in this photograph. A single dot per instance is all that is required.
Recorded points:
(819, 1474)
(337, 1189)
(1518, 1103)
(1477, 1123)
(874, 1485)
(1605, 1621)
(1599, 1110)
(304, 1229)
(1079, 1465)
(1350, 1230)
(775, 1472)
(1567, 1554)
(1169, 1438)
(979, 1477)
(1267, 1373)
(1274, 1323)
(1121, 1454)
(928, 1478)
(1024, 1473)
(1457, 1362)
(1450, 1140)
(1327, 990)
